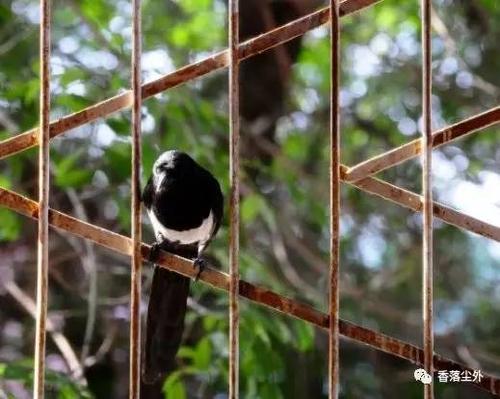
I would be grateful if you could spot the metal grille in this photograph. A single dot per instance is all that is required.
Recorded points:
(358, 176)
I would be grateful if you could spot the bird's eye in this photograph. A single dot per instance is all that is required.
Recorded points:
(162, 168)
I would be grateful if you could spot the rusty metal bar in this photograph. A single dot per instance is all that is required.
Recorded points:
(30, 138)
(189, 72)
(400, 196)
(234, 179)
(333, 334)
(413, 201)
(427, 241)
(59, 339)
(42, 286)
(135, 276)
(412, 149)
(220, 280)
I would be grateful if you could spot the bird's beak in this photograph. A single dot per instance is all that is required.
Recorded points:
(159, 178)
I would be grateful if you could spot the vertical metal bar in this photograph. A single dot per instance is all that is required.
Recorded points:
(427, 264)
(43, 198)
(135, 284)
(333, 336)
(234, 241)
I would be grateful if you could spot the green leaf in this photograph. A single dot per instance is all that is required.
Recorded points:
(251, 206)
(68, 174)
(75, 178)
(210, 322)
(305, 336)
(10, 227)
(118, 159)
(70, 75)
(203, 354)
(173, 388)
(186, 352)
(270, 391)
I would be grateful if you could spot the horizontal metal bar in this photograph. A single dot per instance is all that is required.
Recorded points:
(220, 280)
(413, 201)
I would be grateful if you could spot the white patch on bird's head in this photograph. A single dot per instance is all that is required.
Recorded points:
(161, 166)
(165, 160)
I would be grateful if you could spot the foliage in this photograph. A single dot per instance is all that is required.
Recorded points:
(58, 385)
(284, 206)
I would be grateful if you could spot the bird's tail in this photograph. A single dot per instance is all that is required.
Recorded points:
(165, 323)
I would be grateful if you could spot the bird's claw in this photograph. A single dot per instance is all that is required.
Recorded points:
(154, 252)
(200, 264)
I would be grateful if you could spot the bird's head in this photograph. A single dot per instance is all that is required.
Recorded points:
(171, 164)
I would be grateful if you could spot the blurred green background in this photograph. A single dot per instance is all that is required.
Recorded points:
(284, 208)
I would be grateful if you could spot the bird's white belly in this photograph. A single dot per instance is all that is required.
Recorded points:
(198, 234)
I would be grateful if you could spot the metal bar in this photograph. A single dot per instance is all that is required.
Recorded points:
(399, 196)
(413, 201)
(122, 101)
(220, 280)
(189, 72)
(135, 277)
(333, 335)
(412, 149)
(42, 286)
(60, 341)
(234, 178)
(427, 241)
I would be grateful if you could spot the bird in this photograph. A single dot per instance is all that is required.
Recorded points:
(184, 203)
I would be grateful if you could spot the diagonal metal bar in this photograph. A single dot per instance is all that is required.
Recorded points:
(414, 148)
(135, 270)
(124, 100)
(42, 285)
(427, 228)
(413, 201)
(234, 179)
(59, 339)
(189, 72)
(220, 280)
(333, 305)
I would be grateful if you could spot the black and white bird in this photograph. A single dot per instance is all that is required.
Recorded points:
(184, 203)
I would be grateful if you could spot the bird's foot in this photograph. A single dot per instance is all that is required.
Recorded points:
(154, 252)
(200, 264)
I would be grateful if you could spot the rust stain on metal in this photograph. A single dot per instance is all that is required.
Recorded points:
(412, 149)
(334, 174)
(189, 72)
(427, 211)
(234, 200)
(413, 201)
(42, 286)
(135, 271)
(220, 280)
(18, 143)
(357, 173)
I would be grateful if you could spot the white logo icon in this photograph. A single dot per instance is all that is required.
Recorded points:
(422, 376)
